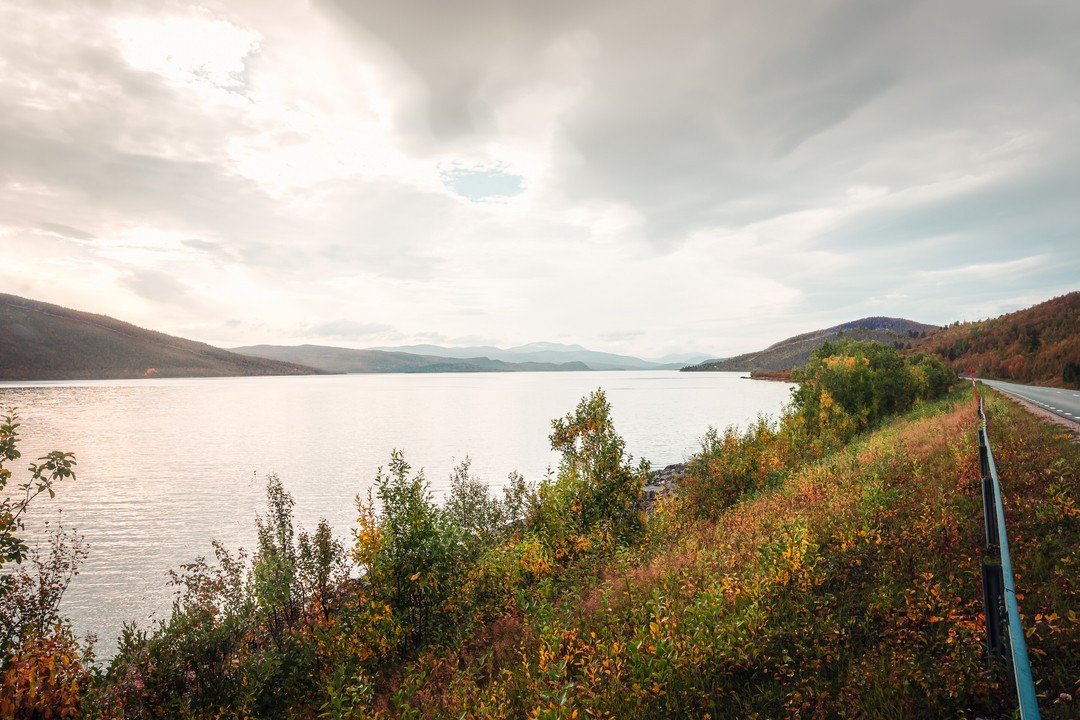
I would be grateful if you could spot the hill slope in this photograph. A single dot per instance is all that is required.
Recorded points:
(795, 351)
(1039, 345)
(350, 360)
(41, 341)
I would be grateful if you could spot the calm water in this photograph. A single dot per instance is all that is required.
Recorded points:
(166, 465)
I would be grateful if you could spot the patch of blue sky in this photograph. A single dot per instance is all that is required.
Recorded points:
(481, 183)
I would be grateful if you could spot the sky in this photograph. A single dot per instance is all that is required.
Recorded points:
(633, 176)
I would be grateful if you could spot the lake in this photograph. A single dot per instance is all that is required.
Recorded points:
(164, 466)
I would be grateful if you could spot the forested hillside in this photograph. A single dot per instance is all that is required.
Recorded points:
(41, 341)
(795, 351)
(1039, 345)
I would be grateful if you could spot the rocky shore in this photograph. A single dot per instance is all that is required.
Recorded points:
(664, 481)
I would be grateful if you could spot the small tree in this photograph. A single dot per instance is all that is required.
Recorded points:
(29, 602)
(44, 475)
(850, 386)
(43, 668)
(274, 569)
(471, 507)
(597, 486)
(322, 567)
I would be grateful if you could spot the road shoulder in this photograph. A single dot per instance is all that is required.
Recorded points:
(1072, 427)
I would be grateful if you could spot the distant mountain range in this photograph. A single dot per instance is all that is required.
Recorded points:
(41, 341)
(795, 351)
(1039, 345)
(547, 352)
(350, 360)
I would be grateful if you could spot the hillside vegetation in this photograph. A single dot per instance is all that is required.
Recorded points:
(350, 360)
(794, 352)
(41, 341)
(1039, 345)
(821, 565)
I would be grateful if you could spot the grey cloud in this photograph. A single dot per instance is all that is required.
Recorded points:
(470, 55)
(66, 231)
(702, 113)
(204, 245)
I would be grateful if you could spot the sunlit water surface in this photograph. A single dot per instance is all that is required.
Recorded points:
(164, 466)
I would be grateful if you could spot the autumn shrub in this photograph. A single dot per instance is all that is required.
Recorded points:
(732, 464)
(46, 676)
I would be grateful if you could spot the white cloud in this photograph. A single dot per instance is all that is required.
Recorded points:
(197, 51)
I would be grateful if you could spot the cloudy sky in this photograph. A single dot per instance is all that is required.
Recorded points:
(632, 175)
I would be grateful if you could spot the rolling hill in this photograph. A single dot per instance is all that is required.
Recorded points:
(795, 351)
(1039, 345)
(350, 360)
(41, 341)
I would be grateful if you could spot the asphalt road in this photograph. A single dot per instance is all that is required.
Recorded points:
(1065, 403)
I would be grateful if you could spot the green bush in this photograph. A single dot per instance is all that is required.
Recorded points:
(411, 551)
(243, 639)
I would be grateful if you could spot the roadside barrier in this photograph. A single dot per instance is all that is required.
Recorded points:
(999, 583)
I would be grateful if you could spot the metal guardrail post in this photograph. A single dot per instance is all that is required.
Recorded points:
(990, 525)
(999, 585)
(992, 611)
(984, 460)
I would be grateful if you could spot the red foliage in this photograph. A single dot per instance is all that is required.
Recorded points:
(1039, 345)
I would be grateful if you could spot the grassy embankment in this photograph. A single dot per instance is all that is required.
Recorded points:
(851, 590)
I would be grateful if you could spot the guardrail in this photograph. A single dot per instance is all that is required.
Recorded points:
(999, 583)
